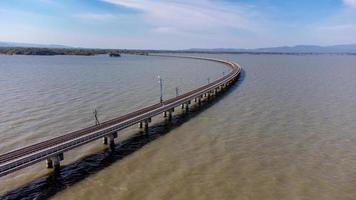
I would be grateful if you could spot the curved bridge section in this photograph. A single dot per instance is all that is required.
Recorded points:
(52, 150)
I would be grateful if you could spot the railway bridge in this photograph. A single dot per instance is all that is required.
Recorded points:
(52, 150)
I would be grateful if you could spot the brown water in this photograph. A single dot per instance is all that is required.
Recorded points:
(286, 131)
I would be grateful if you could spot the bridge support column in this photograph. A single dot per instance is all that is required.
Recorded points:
(170, 114)
(49, 163)
(110, 139)
(146, 122)
(140, 125)
(199, 101)
(54, 162)
(223, 87)
(165, 114)
(187, 106)
(209, 95)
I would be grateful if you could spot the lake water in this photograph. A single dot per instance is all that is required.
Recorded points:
(286, 130)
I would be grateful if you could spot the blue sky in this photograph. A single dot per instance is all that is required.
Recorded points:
(178, 24)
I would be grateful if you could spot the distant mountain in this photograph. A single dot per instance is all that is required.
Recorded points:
(347, 48)
(15, 44)
(350, 48)
(217, 49)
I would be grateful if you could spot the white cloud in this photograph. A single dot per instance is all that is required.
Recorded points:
(199, 16)
(350, 3)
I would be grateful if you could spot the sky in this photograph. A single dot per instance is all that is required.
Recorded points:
(178, 24)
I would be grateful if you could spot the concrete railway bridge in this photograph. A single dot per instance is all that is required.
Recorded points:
(52, 150)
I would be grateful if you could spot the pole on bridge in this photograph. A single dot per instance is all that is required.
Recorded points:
(96, 117)
(161, 89)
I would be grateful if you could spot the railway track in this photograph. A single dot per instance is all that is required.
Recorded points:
(26, 156)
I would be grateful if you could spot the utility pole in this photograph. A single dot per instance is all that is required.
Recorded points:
(161, 88)
(208, 80)
(177, 91)
(96, 117)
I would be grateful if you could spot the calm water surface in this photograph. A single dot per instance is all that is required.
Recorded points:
(286, 131)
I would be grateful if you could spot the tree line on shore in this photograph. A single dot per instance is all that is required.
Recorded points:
(65, 51)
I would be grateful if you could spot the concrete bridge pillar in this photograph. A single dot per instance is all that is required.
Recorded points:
(209, 95)
(49, 163)
(110, 139)
(54, 161)
(223, 86)
(170, 116)
(187, 106)
(140, 125)
(146, 122)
